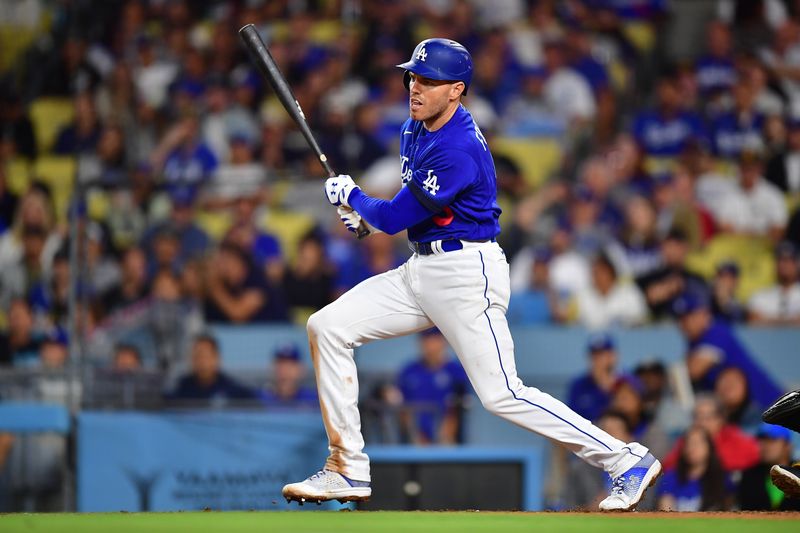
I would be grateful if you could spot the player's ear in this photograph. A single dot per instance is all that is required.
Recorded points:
(457, 89)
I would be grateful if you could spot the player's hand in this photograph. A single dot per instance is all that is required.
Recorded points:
(338, 189)
(350, 218)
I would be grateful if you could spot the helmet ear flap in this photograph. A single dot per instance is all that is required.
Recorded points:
(406, 79)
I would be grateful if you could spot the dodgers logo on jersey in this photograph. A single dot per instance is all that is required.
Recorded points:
(422, 54)
(430, 184)
(405, 169)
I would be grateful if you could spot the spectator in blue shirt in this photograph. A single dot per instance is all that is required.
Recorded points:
(715, 71)
(433, 389)
(699, 483)
(712, 347)
(533, 305)
(590, 394)
(740, 128)
(287, 375)
(207, 381)
(666, 130)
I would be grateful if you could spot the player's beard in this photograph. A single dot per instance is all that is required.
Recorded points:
(427, 112)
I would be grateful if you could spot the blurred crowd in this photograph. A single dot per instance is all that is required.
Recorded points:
(648, 163)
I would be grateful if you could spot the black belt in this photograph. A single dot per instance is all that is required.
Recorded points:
(427, 248)
(437, 247)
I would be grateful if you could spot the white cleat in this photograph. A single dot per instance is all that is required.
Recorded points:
(627, 489)
(327, 485)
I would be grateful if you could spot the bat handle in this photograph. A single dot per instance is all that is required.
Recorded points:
(362, 231)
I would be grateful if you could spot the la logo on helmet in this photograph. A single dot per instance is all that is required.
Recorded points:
(422, 54)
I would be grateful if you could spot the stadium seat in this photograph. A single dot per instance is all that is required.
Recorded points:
(215, 223)
(18, 175)
(753, 255)
(289, 227)
(537, 158)
(13, 42)
(58, 173)
(98, 204)
(49, 115)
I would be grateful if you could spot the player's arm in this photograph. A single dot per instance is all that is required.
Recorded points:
(432, 187)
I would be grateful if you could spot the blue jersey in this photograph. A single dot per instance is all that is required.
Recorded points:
(450, 171)
(731, 133)
(720, 340)
(661, 136)
(715, 74)
(587, 399)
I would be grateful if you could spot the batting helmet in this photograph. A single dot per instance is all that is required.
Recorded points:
(439, 59)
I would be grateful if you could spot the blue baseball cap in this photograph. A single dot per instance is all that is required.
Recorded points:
(687, 303)
(728, 267)
(630, 380)
(600, 341)
(429, 332)
(771, 431)
(287, 352)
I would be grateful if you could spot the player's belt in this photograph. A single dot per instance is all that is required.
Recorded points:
(440, 247)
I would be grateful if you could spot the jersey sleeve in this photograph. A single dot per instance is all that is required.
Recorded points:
(441, 176)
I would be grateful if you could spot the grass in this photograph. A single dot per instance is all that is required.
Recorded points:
(390, 522)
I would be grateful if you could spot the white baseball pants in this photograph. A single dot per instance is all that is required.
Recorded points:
(465, 294)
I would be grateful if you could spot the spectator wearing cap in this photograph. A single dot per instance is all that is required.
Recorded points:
(639, 246)
(206, 381)
(756, 490)
(589, 395)
(783, 169)
(240, 176)
(725, 305)
(535, 304)
(754, 206)
(715, 70)
(83, 133)
(433, 389)
(659, 404)
(237, 292)
(527, 112)
(779, 305)
(609, 300)
(735, 130)
(190, 240)
(666, 130)
(663, 285)
(737, 450)
(287, 376)
(712, 347)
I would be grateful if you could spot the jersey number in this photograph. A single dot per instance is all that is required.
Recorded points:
(430, 184)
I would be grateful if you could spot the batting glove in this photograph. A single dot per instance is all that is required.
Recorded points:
(352, 220)
(338, 189)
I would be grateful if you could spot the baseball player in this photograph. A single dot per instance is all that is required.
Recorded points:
(457, 280)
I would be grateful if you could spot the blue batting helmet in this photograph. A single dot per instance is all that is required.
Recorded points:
(439, 59)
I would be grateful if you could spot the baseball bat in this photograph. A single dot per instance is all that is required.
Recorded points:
(263, 60)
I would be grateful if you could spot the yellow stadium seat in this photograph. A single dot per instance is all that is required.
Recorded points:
(215, 223)
(49, 115)
(13, 42)
(289, 227)
(58, 173)
(18, 175)
(537, 158)
(98, 204)
(753, 256)
(641, 34)
(325, 31)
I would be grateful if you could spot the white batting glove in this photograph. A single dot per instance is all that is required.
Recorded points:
(338, 189)
(352, 220)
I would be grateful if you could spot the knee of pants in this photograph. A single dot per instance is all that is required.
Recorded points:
(496, 402)
(323, 325)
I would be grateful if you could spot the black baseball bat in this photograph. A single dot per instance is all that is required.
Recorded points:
(269, 69)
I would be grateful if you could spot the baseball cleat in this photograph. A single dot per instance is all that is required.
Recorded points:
(787, 478)
(628, 488)
(327, 485)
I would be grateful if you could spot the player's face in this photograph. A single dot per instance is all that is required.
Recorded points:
(429, 99)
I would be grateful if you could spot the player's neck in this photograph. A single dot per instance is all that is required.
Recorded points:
(436, 122)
